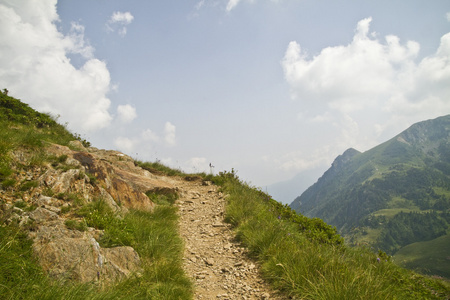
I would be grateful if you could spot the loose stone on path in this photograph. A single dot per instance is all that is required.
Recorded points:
(217, 264)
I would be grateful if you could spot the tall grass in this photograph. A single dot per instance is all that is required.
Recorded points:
(154, 235)
(301, 260)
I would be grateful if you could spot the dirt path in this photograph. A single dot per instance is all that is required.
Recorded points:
(219, 266)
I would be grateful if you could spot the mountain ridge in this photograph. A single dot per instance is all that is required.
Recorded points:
(364, 194)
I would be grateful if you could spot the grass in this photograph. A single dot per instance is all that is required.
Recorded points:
(163, 196)
(301, 257)
(430, 257)
(391, 212)
(159, 168)
(28, 130)
(364, 236)
(300, 260)
(154, 235)
(21, 277)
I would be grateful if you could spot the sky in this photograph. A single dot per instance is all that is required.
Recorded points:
(269, 88)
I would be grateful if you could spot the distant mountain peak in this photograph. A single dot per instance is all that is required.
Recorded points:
(393, 195)
(344, 157)
(427, 135)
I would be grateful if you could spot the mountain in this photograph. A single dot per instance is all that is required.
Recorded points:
(390, 196)
(79, 222)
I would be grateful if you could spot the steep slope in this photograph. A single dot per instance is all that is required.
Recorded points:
(390, 196)
(63, 195)
(81, 223)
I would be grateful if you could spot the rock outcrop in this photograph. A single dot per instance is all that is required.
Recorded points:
(87, 175)
(75, 255)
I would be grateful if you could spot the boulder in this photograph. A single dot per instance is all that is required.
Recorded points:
(73, 255)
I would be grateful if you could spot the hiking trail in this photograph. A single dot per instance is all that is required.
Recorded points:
(218, 265)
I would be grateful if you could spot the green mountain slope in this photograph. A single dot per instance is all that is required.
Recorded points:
(393, 195)
(430, 257)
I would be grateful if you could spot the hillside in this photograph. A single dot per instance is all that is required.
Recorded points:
(96, 217)
(84, 223)
(393, 195)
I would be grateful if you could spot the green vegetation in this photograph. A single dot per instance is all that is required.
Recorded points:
(163, 196)
(300, 256)
(431, 257)
(390, 196)
(306, 258)
(27, 130)
(406, 228)
(159, 168)
(154, 235)
(76, 225)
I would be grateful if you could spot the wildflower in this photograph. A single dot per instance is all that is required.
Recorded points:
(279, 217)
(378, 259)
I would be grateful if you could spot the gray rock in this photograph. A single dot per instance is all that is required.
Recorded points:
(41, 215)
(72, 255)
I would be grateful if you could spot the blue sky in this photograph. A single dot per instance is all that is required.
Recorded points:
(269, 88)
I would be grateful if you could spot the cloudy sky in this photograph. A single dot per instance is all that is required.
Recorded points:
(270, 88)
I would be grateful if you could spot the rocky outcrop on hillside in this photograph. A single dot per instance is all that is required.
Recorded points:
(48, 195)
(76, 255)
(86, 175)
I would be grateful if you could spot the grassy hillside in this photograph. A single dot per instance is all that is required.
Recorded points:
(154, 235)
(393, 195)
(431, 257)
(307, 259)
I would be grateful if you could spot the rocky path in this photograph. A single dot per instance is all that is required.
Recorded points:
(219, 267)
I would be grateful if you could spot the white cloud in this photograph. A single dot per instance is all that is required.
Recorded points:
(35, 67)
(199, 5)
(196, 165)
(370, 85)
(123, 18)
(76, 43)
(232, 4)
(147, 140)
(448, 16)
(148, 135)
(118, 21)
(125, 145)
(169, 131)
(126, 113)
(349, 77)
(299, 161)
